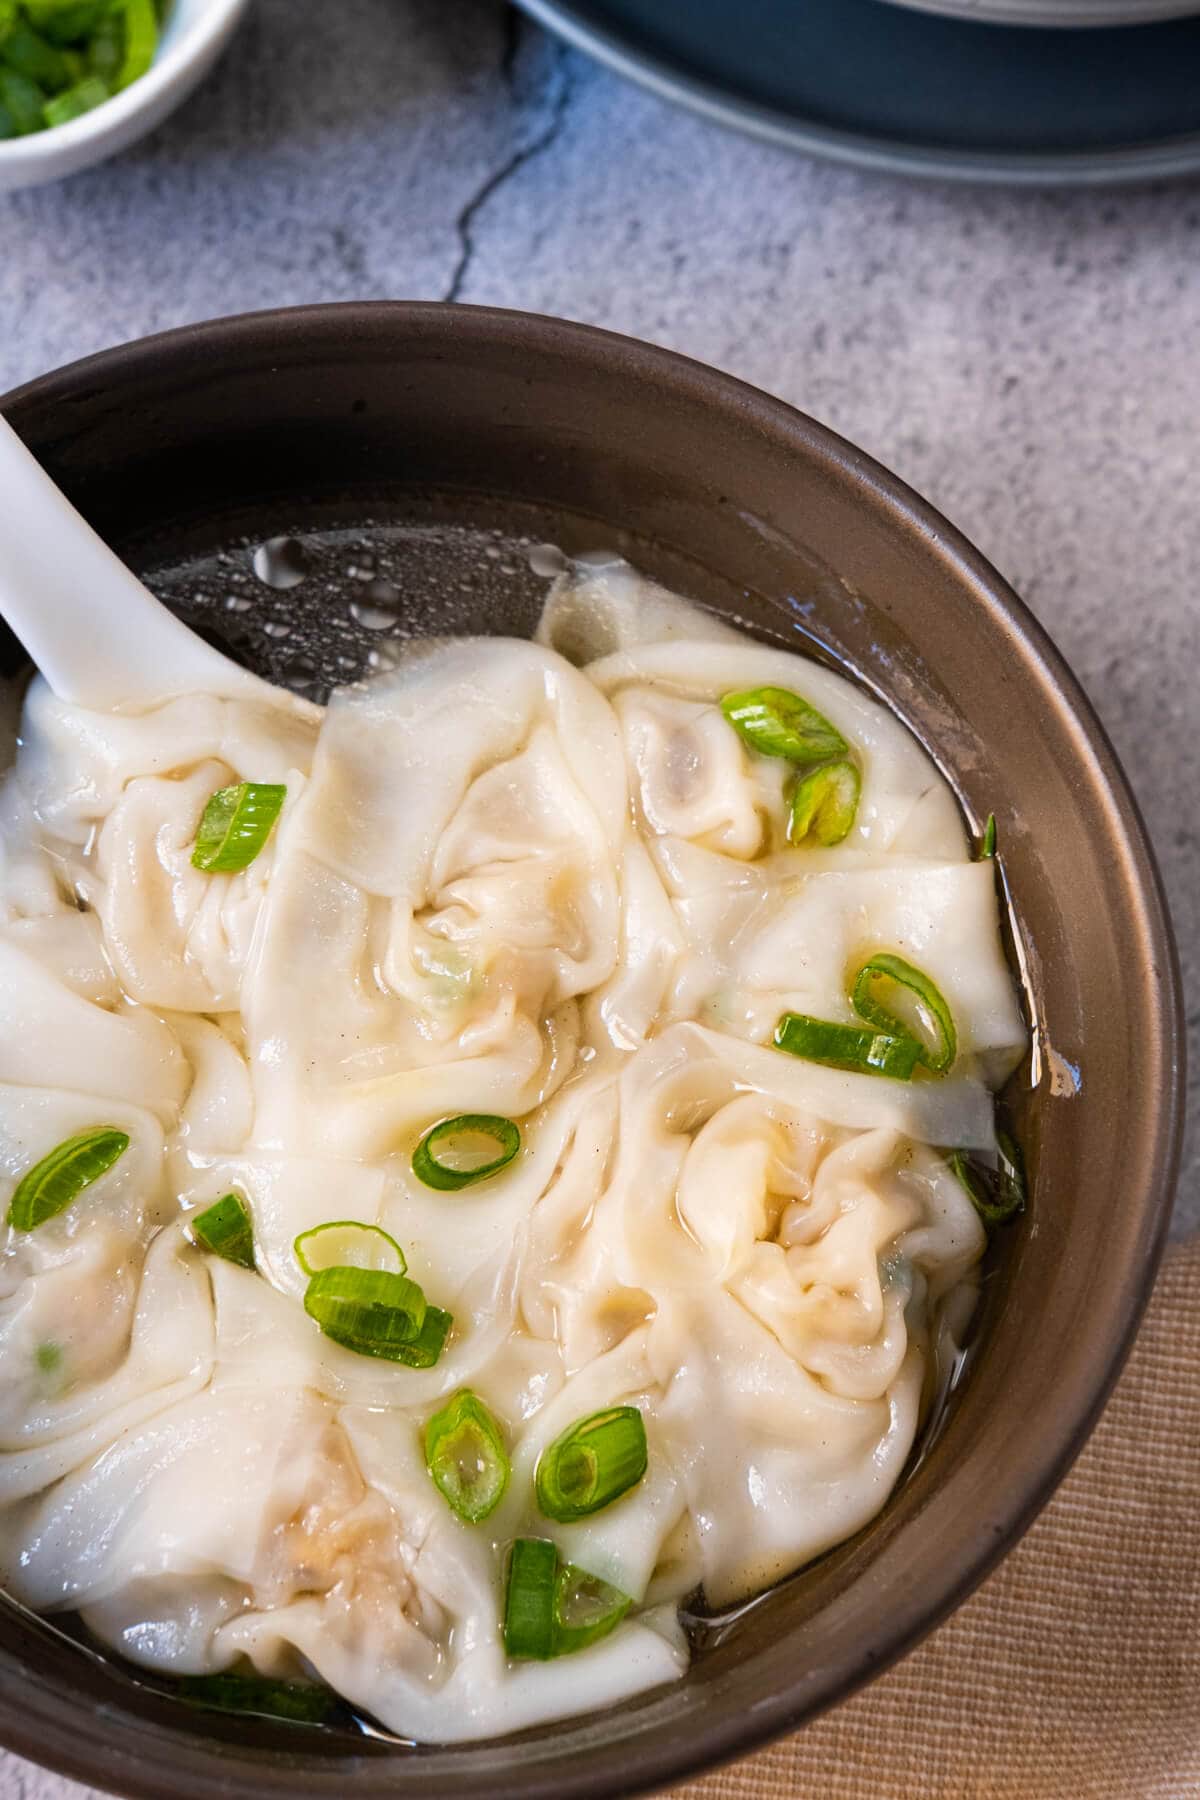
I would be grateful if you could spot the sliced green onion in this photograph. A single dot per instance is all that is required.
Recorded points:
(850, 1047)
(529, 1599)
(935, 1015)
(1014, 1187)
(998, 1194)
(376, 1312)
(977, 1186)
(141, 40)
(224, 1228)
(293, 1700)
(429, 1343)
(22, 100)
(552, 1608)
(61, 1177)
(825, 803)
(371, 1311)
(60, 59)
(48, 1357)
(465, 1454)
(106, 49)
(594, 1462)
(776, 722)
(586, 1609)
(64, 21)
(347, 1244)
(236, 824)
(987, 843)
(35, 58)
(73, 102)
(461, 1151)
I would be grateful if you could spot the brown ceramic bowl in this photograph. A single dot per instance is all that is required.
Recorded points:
(174, 445)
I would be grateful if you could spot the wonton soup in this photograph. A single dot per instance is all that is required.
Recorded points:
(484, 1161)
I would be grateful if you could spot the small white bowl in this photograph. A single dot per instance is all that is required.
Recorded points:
(194, 35)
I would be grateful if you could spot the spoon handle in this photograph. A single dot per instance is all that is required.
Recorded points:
(97, 634)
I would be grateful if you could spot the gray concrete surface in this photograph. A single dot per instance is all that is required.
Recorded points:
(1031, 362)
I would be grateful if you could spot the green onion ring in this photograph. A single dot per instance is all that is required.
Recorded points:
(61, 1177)
(987, 843)
(586, 1609)
(371, 1311)
(529, 1599)
(824, 804)
(429, 1343)
(592, 1463)
(225, 1230)
(936, 1013)
(427, 1166)
(466, 1457)
(553, 1608)
(776, 722)
(851, 1047)
(340, 1236)
(235, 825)
(998, 1194)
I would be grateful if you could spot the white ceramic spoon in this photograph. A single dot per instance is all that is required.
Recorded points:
(98, 636)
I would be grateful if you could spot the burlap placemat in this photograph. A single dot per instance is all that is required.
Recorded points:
(1074, 1672)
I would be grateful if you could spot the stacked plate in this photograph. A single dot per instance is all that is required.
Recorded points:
(932, 87)
(1058, 12)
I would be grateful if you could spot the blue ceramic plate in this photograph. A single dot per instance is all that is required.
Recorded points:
(878, 84)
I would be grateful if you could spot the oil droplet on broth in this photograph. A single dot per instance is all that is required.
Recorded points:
(412, 579)
(384, 658)
(378, 607)
(281, 562)
(547, 560)
(302, 671)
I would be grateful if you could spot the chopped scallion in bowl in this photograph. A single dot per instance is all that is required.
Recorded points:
(62, 58)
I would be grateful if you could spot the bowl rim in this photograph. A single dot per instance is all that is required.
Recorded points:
(196, 41)
(270, 335)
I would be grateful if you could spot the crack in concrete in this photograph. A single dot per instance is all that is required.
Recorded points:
(465, 222)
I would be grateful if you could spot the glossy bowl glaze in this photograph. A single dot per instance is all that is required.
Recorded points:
(180, 444)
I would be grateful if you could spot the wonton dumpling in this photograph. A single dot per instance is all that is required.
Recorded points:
(450, 879)
(768, 938)
(176, 938)
(906, 806)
